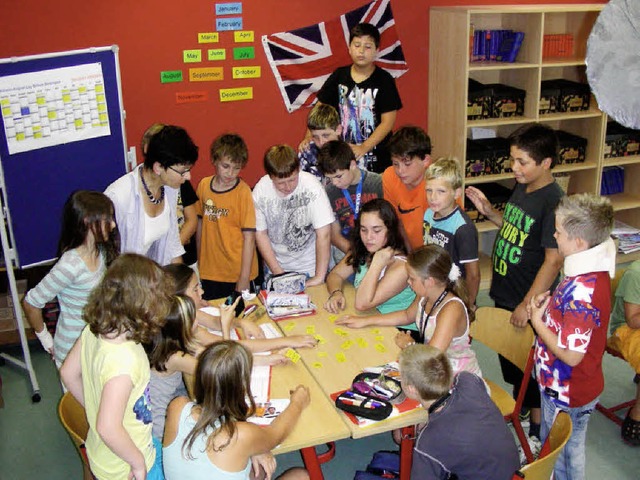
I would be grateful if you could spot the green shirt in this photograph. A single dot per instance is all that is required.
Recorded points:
(628, 291)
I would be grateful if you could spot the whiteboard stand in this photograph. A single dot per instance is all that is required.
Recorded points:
(11, 262)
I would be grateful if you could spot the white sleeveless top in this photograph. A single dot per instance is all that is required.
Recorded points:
(460, 354)
(155, 227)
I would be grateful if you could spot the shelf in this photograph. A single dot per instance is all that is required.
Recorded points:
(481, 66)
(573, 167)
(593, 112)
(618, 161)
(562, 62)
(497, 122)
(486, 226)
(624, 201)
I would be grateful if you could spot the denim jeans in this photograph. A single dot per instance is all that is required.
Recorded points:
(571, 462)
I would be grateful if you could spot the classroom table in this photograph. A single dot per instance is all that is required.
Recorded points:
(319, 424)
(345, 352)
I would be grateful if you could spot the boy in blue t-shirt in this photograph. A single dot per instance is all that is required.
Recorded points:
(445, 223)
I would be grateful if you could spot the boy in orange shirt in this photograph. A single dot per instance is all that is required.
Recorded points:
(403, 183)
(227, 255)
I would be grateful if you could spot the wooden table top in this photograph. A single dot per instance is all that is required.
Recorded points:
(343, 353)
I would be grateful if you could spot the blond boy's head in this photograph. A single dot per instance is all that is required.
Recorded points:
(324, 124)
(447, 169)
(426, 372)
(586, 216)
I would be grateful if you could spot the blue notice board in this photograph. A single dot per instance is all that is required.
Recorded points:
(61, 130)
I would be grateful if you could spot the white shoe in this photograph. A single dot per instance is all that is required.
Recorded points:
(535, 445)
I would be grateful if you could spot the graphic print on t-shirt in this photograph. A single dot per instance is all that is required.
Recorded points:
(516, 225)
(289, 220)
(212, 212)
(357, 114)
(141, 407)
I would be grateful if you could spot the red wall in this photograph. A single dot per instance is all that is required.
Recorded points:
(152, 35)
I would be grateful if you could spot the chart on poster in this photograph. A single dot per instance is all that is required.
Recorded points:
(53, 107)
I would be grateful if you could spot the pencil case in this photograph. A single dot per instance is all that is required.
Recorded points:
(363, 405)
(378, 386)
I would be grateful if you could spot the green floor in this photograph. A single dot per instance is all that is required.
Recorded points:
(34, 445)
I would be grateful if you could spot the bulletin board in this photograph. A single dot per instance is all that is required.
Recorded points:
(61, 130)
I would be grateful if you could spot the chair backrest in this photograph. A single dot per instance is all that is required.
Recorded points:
(558, 436)
(493, 329)
(73, 419)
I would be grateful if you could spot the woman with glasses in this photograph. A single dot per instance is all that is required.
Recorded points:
(145, 199)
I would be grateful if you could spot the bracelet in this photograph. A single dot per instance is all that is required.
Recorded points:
(334, 292)
(409, 344)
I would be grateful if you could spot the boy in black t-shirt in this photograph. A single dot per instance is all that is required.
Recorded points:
(526, 261)
(366, 98)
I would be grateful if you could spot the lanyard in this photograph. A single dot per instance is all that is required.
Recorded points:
(433, 307)
(355, 207)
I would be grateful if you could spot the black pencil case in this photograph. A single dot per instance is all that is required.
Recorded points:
(378, 386)
(363, 405)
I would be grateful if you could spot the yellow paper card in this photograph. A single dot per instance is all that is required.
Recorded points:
(5, 101)
(52, 114)
(102, 117)
(381, 348)
(333, 318)
(246, 72)
(37, 134)
(311, 329)
(66, 98)
(102, 107)
(208, 37)
(376, 331)
(78, 123)
(341, 332)
(41, 100)
(100, 98)
(322, 354)
(346, 345)
(289, 326)
(235, 94)
(380, 338)
(321, 340)
(20, 136)
(192, 56)
(99, 88)
(362, 343)
(210, 74)
(341, 357)
(6, 111)
(82, 89)
(316, 365)
(292, 355)
(240, 36)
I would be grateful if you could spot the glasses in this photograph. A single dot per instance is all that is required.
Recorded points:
(181, 173)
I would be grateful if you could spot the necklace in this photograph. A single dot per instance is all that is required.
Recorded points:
(424, 319)
(152, 199)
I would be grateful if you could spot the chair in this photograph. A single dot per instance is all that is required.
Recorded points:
(542, 468)
(493, 328)
(74, 421)
(610, 412)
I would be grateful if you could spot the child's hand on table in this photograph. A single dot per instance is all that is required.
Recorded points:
(301, 396)
(353, 321)
(336, 302)
(302, 341)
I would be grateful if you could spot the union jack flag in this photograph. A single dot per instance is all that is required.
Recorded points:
(302, 59)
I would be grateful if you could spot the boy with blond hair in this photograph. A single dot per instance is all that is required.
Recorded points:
(227, 256)
(447, 225)
(323, 123)
(572, 324)
(462, 416)
(293, 218)
(348, 189)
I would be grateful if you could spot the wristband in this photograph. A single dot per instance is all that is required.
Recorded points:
(334, 292)
(45, 339)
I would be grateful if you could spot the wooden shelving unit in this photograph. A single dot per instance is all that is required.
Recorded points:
(450, 69)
